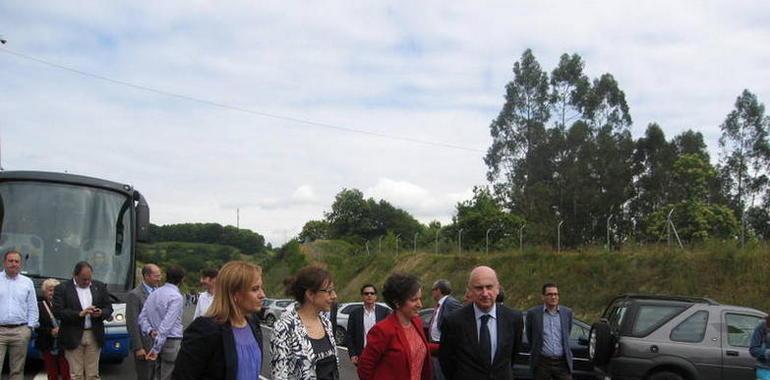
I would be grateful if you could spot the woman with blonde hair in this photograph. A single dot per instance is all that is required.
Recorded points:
(303, 342)
(226, 342)
(55, 363)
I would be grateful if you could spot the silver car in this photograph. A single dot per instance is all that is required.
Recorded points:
(275, 309)
(674, 338)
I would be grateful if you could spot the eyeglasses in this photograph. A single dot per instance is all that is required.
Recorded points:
(328, 290)
(369, 293)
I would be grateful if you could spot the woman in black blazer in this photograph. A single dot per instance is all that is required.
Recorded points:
(45, 342)
(226, 342)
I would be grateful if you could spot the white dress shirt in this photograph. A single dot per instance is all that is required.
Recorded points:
(435, 333)
(86, 299)
(204, 301)
(370, 319)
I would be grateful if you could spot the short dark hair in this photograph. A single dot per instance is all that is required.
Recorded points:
(10, 251)
(79, 267)
(549, 285)
(308, 278)
(210, 273)
(500, 296)
(368, 286)
(443, 286)
(174, 274)
(398, 288)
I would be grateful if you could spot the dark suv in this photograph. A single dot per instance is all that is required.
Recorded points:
(673, 338)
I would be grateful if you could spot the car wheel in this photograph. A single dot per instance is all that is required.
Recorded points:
(600, 343)
(339, 336)
(665, 376)
(270, 320)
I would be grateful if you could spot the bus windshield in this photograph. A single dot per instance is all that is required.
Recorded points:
(56, 225)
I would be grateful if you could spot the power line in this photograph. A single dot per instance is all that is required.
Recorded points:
(239, 109)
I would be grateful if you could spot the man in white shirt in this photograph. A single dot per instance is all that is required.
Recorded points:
(208, 280)
(445, 304)
(18, 314)
(362, 320)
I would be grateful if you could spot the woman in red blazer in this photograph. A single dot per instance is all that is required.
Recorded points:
(396, 347)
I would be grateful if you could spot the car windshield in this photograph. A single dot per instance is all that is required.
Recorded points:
(56, 225)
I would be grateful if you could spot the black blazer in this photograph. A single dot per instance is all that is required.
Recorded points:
(459, 352)
(44, 340)
(208, 350)
(355, 337)
(66, 307)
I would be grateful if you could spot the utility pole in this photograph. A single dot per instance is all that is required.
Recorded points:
(238, 218)
(416, 234)
(460, 241)
(487, 239)
(438, 231)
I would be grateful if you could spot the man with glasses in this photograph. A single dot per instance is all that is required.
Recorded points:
(362, 320)
(548, 327)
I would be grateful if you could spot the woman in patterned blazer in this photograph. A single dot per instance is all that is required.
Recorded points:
(303, 343)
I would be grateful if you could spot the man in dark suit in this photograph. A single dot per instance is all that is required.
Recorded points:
(362, 320)
(445, 305)
(82, 305)
(141, 344)
(548, 329)
(481, 339)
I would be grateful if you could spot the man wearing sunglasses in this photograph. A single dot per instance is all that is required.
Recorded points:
(362, 320)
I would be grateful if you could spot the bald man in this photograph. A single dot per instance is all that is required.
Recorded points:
(140, 344)
(481, 339)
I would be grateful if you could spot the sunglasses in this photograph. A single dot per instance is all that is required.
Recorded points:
(369, 293)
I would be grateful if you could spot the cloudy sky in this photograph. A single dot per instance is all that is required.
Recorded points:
(274, 107)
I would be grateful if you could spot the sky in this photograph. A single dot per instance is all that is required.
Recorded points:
(273, 107)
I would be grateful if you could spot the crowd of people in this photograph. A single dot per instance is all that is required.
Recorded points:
(477, 338)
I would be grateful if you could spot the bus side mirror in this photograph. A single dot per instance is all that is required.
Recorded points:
(142, 220)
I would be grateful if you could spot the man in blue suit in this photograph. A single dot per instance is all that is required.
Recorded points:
(548, 327)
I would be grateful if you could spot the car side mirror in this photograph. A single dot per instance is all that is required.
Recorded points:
(142, 220)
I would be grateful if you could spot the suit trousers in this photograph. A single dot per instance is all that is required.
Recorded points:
(144, 368)
(84, 360)
(552, 368)
(164, 364)
(14, 340)
(437, 374)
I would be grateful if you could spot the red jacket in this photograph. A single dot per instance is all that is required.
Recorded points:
(387, 353)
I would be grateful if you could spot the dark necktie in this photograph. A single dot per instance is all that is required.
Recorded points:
(485, 342)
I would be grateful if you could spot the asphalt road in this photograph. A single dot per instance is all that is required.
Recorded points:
(125, 370)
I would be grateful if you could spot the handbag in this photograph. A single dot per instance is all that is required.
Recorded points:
(55, 323)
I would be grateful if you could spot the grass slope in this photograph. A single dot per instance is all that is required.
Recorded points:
(587, 279)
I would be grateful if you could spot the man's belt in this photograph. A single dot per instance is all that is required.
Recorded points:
(12, 326)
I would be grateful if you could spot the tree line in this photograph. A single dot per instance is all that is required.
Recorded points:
(563, 162)
(247, 241)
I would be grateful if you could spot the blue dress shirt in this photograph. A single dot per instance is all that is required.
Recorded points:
(18, 301)
(162, 313)
(552, 344)
(491, 325)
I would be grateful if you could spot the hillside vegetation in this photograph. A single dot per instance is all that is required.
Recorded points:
(588, 279)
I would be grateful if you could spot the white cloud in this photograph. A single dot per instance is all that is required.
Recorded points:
(429, 70)
(423, 204)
